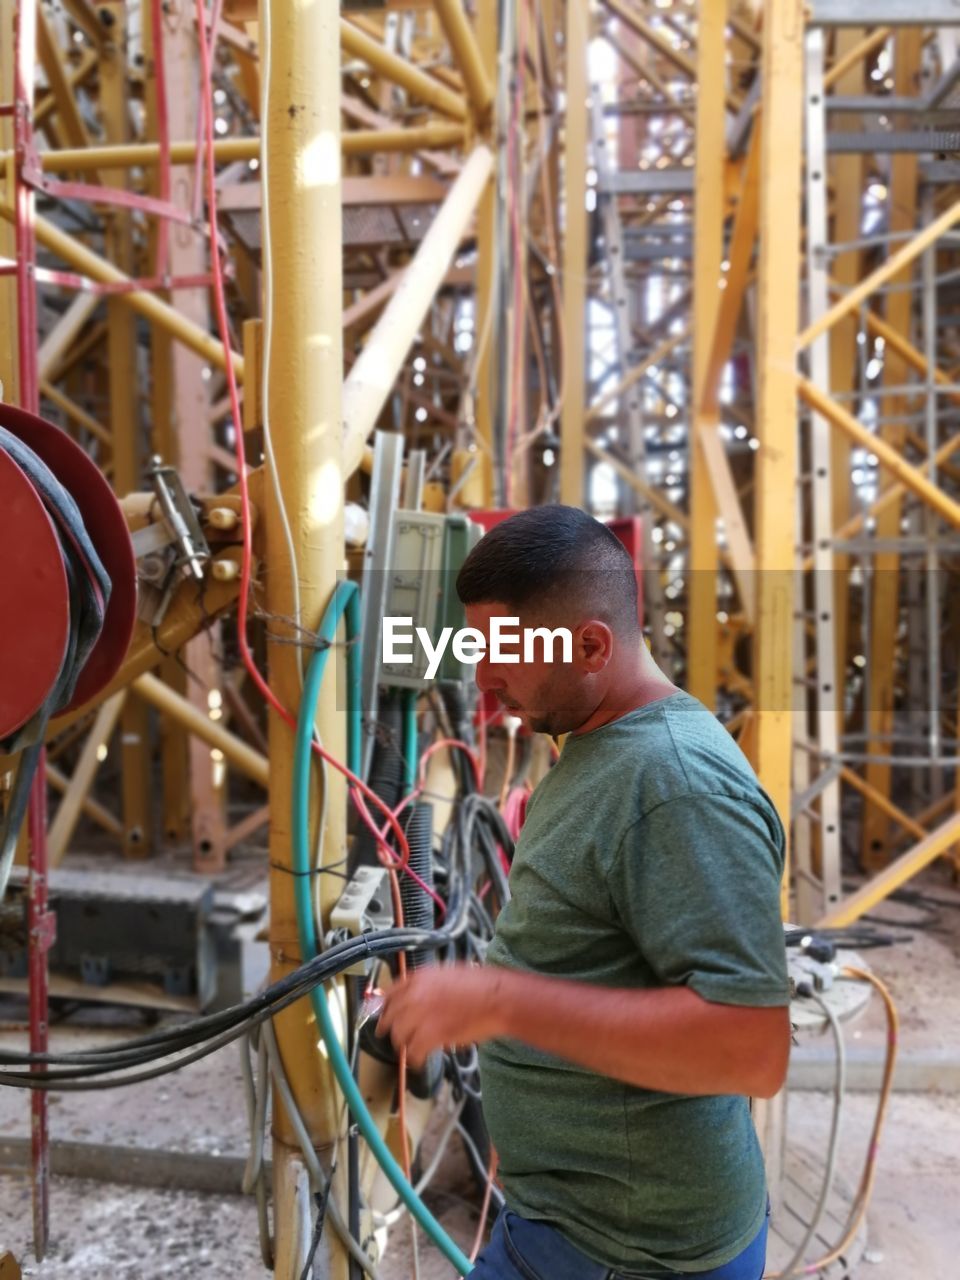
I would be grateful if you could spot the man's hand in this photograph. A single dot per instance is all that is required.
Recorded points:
(665, 1038)
(443, 1007)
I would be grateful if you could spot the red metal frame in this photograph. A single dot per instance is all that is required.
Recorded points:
(40, 922)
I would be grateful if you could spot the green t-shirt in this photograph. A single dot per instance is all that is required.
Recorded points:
(650, 857)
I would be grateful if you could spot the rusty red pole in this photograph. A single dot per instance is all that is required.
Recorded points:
(39, 919)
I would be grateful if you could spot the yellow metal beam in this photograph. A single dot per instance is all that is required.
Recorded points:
(59, 781)
(893, 266)
(463, 42)
(126, 427)
(708, 212)
(252, 764)
(776, 465)
(65, 332)
(897, 343)
(303, 354)
(886, 454)
(896, 874)
(886, 499)
(76, 795)
(742, 241)
(400, 72)
(58, 80)
(373, 373)
(883, 802)
(75, 413)
(145, 155)
(852, 57)
(47, 105)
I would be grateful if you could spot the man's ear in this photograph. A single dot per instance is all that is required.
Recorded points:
(594, 645)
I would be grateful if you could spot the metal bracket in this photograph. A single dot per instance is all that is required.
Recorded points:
(170, 548)
(181, 515)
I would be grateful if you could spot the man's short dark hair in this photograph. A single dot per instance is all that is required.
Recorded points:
(553, 559)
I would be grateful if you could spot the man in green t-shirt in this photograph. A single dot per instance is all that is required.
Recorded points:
(635, 994)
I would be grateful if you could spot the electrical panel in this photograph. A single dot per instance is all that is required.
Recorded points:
(428, 550)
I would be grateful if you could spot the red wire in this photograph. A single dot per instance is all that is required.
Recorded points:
(449, 743)
(388, 856)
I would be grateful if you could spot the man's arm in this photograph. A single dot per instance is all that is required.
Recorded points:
(668, 1039)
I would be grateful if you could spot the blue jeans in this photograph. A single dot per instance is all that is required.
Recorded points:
(523, 1250)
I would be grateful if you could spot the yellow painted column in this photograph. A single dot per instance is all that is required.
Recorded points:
(775, 475)
(125, 422)
(574, 256)
(303, 353)
(702, 639)
(776, 466)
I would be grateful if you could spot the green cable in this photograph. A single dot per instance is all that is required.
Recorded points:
(345, 599)
(410, 753)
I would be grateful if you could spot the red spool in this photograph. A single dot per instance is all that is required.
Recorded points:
(33, 585)
(33, 624)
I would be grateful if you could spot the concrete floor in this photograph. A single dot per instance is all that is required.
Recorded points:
(106, 1229)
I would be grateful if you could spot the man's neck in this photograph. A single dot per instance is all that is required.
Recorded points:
(640, 690)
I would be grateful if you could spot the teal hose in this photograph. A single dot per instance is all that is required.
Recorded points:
(345, 600)
(410, 753)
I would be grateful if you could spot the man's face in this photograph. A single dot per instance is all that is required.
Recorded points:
(550, 697)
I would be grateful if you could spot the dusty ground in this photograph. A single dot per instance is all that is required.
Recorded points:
(104, 1230)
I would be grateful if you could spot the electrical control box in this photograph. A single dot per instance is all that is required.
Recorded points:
(428, 550)
(460, 536)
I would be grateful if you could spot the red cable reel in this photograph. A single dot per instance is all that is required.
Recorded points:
(34, 590)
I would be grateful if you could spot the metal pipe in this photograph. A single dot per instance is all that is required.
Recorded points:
(369, 382)
(229, 150)
(145, 304)
(463, 42)
(837, 247)
(400, 72)
(886, 454)
(243, 757)
(63, 334)
(929, 278)
(303, 510)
